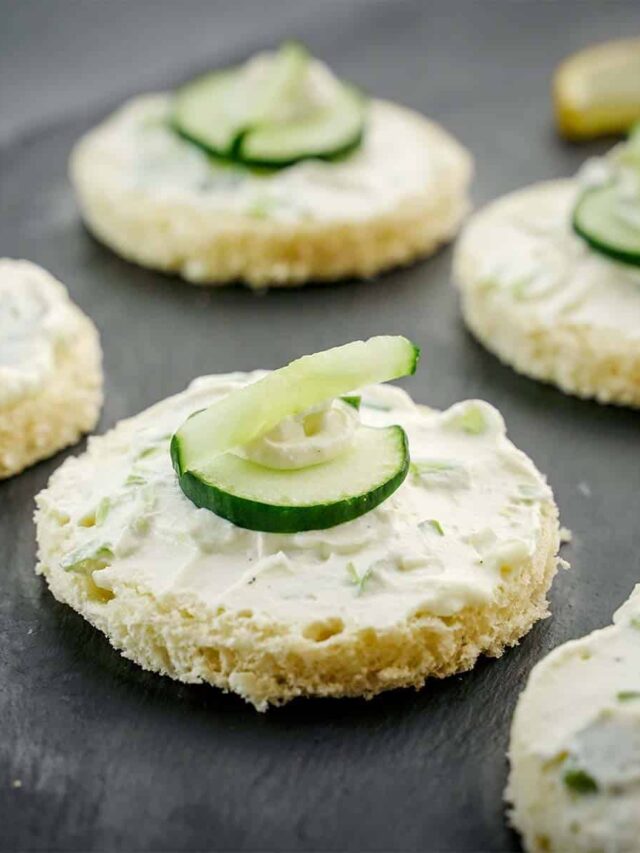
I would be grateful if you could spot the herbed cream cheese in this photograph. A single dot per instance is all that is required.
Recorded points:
(575, 744)
(467, 519)
(36, 318)
(527, 257)
(400, 156)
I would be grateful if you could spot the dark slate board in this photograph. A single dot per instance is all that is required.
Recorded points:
(112, 758)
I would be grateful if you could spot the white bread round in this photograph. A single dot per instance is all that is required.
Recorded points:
(539, 298)
(59, 402)
(575, 744)
(273, 616)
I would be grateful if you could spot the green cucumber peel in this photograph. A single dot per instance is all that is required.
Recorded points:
(313, 498)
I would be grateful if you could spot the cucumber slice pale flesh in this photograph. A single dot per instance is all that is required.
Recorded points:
(325, 134)
(253, 410)
(314, 498)
(204, 113)
(597, 220)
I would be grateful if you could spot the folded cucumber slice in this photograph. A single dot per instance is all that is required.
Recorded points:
(597, 219)
(314, 498)
(324, 134)
(253, 410)
(204, 113)
(234, 114)
(215, 110)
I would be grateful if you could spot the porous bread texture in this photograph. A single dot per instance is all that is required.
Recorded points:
(270, 663)
(207, 248)
(68, 406)
(582, 360)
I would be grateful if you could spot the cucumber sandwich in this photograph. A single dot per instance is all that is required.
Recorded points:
(273, 172)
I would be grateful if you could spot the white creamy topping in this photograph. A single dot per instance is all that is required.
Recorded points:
(36, 317)
(527, 254)
(316, 88)
(578, 722)
(462, 524)
(400, 156)
(318, 435)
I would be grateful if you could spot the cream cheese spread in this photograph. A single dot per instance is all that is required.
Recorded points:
(318, 435)
(401, 155)
(576, 743)
(527, 256)
(36, 318)
(467, 519)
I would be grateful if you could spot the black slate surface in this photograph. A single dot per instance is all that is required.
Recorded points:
(96, 754)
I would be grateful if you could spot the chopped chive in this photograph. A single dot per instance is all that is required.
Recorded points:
(135, 480)
(148, 451)
(472, 421)
(380, 407)
(580, 782)
(635, 622)
(434, 524)
(430, 466)
(88, 559)
(352, 401)
(103, 511)
(355, 578)
(628, 695)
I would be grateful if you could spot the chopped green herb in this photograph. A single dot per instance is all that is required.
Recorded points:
(430, 466)
(355, 578)
(628, 695)
(88, 559)
(432, 523)
(135, 480)
(529, 493)
(472, 421)
(141, 525)
(440, 473)
(556, 760)
(580, 782)
(103, 511)
(520, 287)
(352, 401)
(148, 451)
(380, 407)
(635, 622)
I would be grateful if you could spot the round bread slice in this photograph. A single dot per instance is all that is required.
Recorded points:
(538, 297)
(575, 744)
(456, 563)
(156, 199)
(50, 367)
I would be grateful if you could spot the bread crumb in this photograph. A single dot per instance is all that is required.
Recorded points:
(566, 536)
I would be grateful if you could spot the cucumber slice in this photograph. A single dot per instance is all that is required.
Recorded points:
(215, 110)
(597, 219)
(323, 135)
(231, 115)
(204, 113)
(255, 409)
(280, 501)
